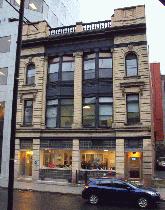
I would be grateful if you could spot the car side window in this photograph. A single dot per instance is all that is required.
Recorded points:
(106, 183)
(120, 185)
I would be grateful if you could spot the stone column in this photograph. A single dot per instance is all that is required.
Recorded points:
(120, 157)
(147, 161)
(36, 159)
(77, 119)
(17, 159)
(75, 159)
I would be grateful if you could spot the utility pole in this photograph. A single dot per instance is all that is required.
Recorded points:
(14, 107)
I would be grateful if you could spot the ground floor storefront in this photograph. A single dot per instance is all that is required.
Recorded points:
(73, 159)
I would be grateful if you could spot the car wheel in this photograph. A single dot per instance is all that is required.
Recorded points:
(93, 199)
(142, 202)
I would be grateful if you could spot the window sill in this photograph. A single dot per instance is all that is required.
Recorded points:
(132, 77)
(25, 85)
(31, 125)
(133, 124)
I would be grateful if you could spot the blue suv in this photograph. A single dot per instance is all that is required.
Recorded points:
(116, 190)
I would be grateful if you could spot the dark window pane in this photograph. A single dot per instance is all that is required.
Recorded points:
(131, 65)
(30, 80)
(105, 73)
(67, 76)
(105, 115)
(67, 90)
(3, 76)
(5, 44)
(105, 87)
(53, 91)
(133, 115)
(66, 112)
(89, 88)
(89, 112)
(53, 72)
(28, 112)
(89, 69)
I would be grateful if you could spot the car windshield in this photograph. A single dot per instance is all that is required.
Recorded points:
(133, 185)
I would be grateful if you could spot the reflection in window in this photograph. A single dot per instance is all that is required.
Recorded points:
(36, 5)
(1, 2)
(89, 66)
(5, 44)
(89, 112)
(30, 74)
(66, 112)
(105, 111)
(105, 67)
(28, 112)
(68, 68)
(53, 70)
(51, 113)
(131, 65)
(54, 158)
(133, 113)
(3, 76)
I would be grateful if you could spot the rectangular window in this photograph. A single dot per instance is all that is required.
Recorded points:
(53, 70)
(105, 111)
(36, 5)
(105, 67)
(89, 66)
(3, 76)
(89, 112)
(1, 2)
(28, 112)
(5, 44)
(51, 113)
(133, 113)
(67, 68)
(66, 113)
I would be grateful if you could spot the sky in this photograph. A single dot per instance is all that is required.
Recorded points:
(96, 10)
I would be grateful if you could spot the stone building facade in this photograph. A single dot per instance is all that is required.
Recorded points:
(84, 101)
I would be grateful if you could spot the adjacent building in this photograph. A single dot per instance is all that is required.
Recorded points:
(56, 13)
(157, 102)
(84, 101)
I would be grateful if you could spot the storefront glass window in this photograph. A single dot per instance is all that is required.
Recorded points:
(98, 159)
(54, 158)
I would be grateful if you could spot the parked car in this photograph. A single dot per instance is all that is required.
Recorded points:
(116, 190)
(160, 163)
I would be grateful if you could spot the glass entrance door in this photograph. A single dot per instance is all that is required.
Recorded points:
(134, 165)
(26, 163)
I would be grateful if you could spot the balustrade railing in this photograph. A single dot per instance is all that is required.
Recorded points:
(85, 27)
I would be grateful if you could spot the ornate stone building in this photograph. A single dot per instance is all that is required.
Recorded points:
(84, 101)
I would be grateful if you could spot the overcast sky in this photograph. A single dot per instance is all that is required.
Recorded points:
(95, 10)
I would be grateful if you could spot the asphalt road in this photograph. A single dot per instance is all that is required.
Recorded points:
(54, 201)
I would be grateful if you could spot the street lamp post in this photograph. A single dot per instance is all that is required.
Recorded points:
(14, 108)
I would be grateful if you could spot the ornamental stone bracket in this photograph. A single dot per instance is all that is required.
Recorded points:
(27, 94)
(138, 86)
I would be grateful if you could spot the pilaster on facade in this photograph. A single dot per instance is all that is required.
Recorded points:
(36, 159)
(17, 159)
(120, 160)
(148, 161)
(77, 119)
(75, 159)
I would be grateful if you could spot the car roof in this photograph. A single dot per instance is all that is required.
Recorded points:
(105, 178)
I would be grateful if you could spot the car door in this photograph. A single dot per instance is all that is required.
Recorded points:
(121, 192)
(107, 190)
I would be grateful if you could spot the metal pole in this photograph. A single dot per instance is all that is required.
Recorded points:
(14, 108)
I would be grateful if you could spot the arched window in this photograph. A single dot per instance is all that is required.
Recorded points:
(131, 64)
(30, 74)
